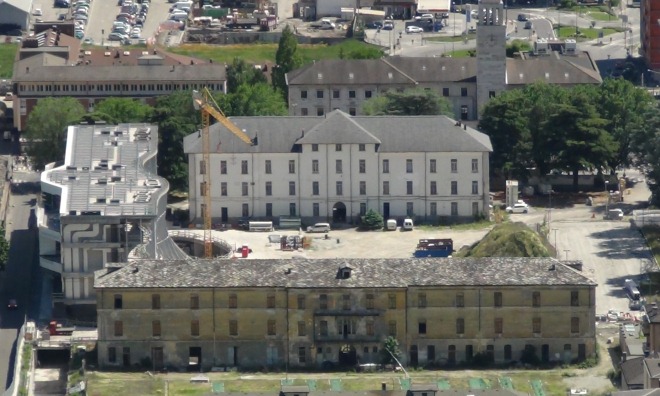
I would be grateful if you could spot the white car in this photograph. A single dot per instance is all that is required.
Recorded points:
(37, 12)
(414, 29)
(518, 207)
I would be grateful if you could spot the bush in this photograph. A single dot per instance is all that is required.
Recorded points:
(528, 356)
(372, 220)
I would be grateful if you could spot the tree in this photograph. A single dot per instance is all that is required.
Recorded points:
(4, 249)
(646, 147)
(287, 59)
(253, 100)
(409, 102)
(390, 351)
(372, 220)
(47, 128)
(240, 72)
(123, 110)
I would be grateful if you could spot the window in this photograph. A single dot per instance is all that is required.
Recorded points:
(269, 209)
(244, 189)
(370, 328)
(391, 299)
(245, 210)
(270, 327)
(292, 166)
(270, 301)
(315, 188)
(575, 325)
(386, 188)
(316, 209)
(223, 167)
(434, 188)
(336, 94)
(491, 94)
(301, 301)
(292, 209)
(536, 299)
(292, 188)
(304, 111)
(339, 188)
(194, 328)
(315, 166)
(536, 325)
(421, 300)
(337, 147)
(155, 328)
(392, 328)
(244, 167)
(155, 301)
(409, 187)
(451, 354)
(202, 167)
(302, 329)
(112, 355)
(194, 301)
(119, 304)
(319, 111)
(508, 354)
(460, 300)
(233, 328)
(202, 189)
(338, 166)
(269, 168)
(303, 94)
(433, 209)
(363, 166)
(233, 301)
(454, 166)
(363, 208)
(575, 299)
(475, 208)
(319, 94)
(410, 209)
(454, 208)
(352, 111)
(445, 91)
(323, 328)
(432, 166)
(475, 187)
(362, 147)
(363, 188)
(475, 166)
(346, 302)
(323, 301)
(409, 166)
(367, 94)
(460, 326)
(421, 328)
(386, 166)
(223, 189)
(351, 94)
(454, 187)
(315, 147)
(269, 188)
(499, 325)
(464, 92)
(370, 301)
(497, 298)
(119, 328)
(302, 355)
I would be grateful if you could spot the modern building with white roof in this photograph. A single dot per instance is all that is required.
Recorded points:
(105, 203)
(15, 12)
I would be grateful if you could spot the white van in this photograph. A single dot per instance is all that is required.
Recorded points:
(319, 227)
(182, 4)
(407, 225)
(390, 225)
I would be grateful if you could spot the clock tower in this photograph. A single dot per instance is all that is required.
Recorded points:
(491, 51)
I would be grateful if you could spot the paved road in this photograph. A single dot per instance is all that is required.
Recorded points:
(17, 281)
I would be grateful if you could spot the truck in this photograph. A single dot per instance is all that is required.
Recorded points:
(434, 248)
(631, 289)
(55, 328)
(264, 24)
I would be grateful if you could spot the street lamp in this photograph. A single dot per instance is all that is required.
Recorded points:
(566, 253)
(607, 197)
(556, 250)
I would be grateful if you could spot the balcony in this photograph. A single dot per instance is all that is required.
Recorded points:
(348, 312)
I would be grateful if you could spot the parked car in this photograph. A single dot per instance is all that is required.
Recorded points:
(518, 207)
(614, 214)
(388, 25)
(88, 41)
(62, 4)
(374, 25)
(37, 12)
(414, 29)
(319, 227)
(11, 304)
(528, 25)
(115, 36)
(522, 17)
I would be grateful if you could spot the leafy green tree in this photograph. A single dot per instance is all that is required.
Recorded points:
(390, 350)
(409, 102)
(240, 72)
(287, 58)
(517, 46)
(123, 110)
(253, 100)
(4, 249)
(372, 220)
(47, 128)
(646, 149)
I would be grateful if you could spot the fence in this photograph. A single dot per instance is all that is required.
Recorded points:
(13, 389)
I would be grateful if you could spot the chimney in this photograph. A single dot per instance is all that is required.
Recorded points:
(288, 271)
(552, 268)
(27, 70)
(172, 68)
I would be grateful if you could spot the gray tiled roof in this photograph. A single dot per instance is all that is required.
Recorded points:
(653, 367)
(351, 71)
(632, 371)
(322, 273)
(429, 69)
(395, 133)
(638, 392)
(136, 73)
(552, 69)
(23, 5)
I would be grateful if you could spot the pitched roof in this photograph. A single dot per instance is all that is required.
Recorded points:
(638, 392)
(365, 273)
(348, 71)
(394, 133)
(553, 69)
(653, 367)
(23, 5)
(141, 73)
(632, 370)
(429, 69)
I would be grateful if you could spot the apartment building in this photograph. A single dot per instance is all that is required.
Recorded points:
(336, 167)
(53, 64)
(314, 313)
(104, 204)
(650, 33)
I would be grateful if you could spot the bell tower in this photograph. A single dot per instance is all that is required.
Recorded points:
(491, 51)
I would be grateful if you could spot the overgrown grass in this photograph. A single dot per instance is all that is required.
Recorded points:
(652, 235)
(584, 33)
(465, 53)
(26, 365)
(7, 56)
(601, 16)
(508, 240)
(260, 53)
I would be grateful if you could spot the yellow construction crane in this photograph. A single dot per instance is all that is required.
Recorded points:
(204, 102)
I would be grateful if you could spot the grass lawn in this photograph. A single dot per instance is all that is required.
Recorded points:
(601, 16)
(7, 56)
(259, 53)
(451, 39)
(585, 34)
(460, 53)
(111, 384)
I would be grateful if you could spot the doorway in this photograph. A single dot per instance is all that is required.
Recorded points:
(195, 359)
(414, 356)
(545, 353)
(224, 215)
(126, 357)
(347, 355)
(157, 358)
(339, 213)
(386, 210)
